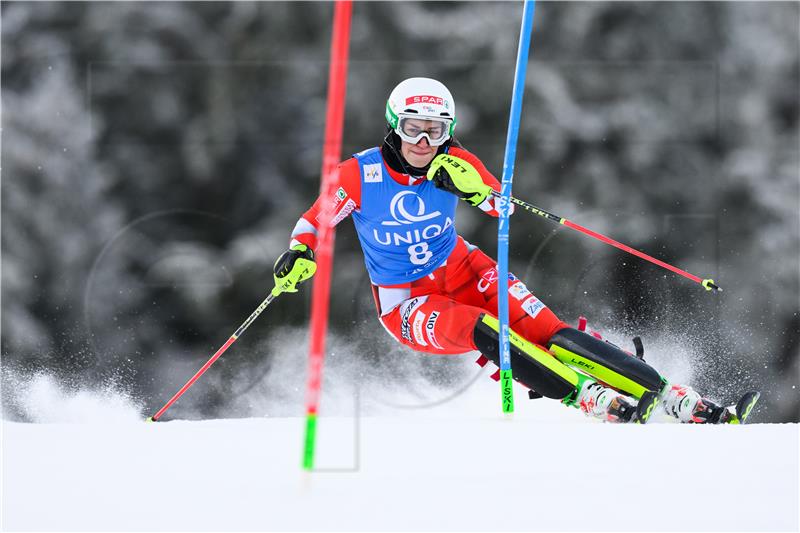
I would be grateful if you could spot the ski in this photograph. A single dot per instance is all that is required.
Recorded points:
(709, 412)
(739, 413)
(624, 410)
(645, 407)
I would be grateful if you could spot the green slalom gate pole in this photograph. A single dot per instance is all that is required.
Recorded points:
(707, 283)
(503, 199)
(334, 124)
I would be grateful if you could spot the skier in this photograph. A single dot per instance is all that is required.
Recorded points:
(437, 293)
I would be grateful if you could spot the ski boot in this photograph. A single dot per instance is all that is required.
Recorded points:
(602, 402)
(685, 404)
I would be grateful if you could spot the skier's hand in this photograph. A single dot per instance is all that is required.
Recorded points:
(292, 268)
(459, 177)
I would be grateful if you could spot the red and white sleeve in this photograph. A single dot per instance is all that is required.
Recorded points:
(345, 199)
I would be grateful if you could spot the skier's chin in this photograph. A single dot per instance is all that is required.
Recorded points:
(419, 160)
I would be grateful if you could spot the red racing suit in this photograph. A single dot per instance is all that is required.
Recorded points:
(438, 313)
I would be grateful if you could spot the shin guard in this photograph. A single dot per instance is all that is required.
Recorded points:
(532, 365)
(605, 362)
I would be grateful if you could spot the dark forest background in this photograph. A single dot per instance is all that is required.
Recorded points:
(156, 155)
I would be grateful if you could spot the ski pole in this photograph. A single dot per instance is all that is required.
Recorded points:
(268, 300)
(707, 283)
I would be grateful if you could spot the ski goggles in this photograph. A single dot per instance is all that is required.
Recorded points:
(412, 129)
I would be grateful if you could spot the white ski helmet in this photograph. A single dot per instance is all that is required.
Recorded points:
(421, 98)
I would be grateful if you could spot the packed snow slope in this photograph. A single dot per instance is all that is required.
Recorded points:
(457, 467)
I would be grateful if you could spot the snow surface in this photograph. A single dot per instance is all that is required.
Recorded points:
(457, 466)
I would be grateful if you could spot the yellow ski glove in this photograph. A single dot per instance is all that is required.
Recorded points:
(292, 268)
(459, 177)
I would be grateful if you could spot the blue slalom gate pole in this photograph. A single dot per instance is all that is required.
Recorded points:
(506, 378)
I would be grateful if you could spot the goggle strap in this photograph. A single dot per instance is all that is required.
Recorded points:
(391, 118)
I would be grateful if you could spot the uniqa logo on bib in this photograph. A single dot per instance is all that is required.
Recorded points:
(407, 207)
(400, 213)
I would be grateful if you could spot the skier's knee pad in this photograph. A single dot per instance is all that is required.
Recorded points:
(605, 362)
(531, 365)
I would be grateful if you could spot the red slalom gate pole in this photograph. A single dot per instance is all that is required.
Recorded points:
(331, 153)
(708, 284)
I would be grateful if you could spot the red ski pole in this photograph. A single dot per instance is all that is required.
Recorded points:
(707, 283)
(268, 300)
